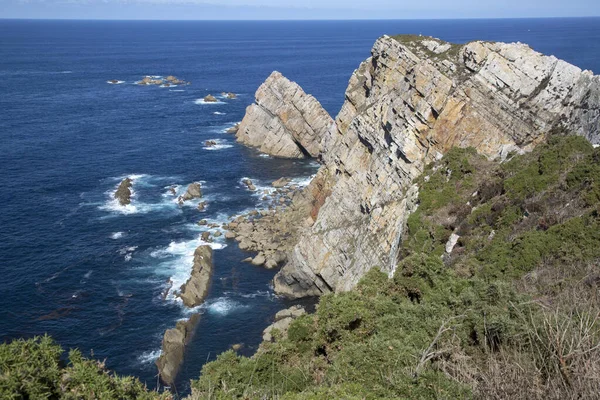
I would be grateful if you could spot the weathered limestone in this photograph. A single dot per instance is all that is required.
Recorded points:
(284, 121)
(123, 193)
(406, 105)
(194, 291)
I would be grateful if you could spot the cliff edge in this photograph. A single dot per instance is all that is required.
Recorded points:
(407, 105)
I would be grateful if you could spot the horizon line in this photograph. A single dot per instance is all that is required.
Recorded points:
(293, 19)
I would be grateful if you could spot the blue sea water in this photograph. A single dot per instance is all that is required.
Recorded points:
(91, 274)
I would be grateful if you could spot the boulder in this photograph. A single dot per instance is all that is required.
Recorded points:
(281, 182)
(210, 99)
(201, 206)
(283, 320)
(123, 193)
(206, 236)
(259, 259)
(194, 291)
(194, 191)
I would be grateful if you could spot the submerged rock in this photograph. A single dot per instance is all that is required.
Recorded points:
(284, 121)
(173, 348)
(123, 193)
(194, 291)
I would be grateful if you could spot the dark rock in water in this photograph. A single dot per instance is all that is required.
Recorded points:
(201, 206)
(210, 99)
(173, 347)
(113, 81)
(210, 143)
(194, 291)
(123, 193)
(206, 237)
(231, 95)
(194, 191)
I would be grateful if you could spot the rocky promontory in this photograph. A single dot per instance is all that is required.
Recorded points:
(407, 105)
(194, 291)
(284, 121)
(123, 192)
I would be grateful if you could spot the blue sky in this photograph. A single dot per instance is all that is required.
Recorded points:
(298, 9)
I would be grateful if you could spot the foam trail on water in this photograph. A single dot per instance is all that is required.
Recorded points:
(219, 113)
(202, 102)
(116, 235)
(149, 357)
(220, 145)
(115, 83)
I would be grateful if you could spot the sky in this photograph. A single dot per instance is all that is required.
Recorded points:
(295, 9)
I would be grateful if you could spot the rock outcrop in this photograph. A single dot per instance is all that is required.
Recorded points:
(123, 192)
(194, 291)
(194, 191)
(173, 348)
(283, 320)
(405, 106)
(210, 99)
(284, 121)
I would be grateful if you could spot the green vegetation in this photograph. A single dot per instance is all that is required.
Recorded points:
(512, 311)
(32, 369)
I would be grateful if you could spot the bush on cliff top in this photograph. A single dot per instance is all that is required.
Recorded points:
(32, 369)
(511, 312)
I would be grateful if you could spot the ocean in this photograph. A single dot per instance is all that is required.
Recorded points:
(90, 273)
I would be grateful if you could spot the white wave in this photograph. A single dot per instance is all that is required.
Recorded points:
(149, 357)
(178, 259)
(168, 85)
(115, 83)
(302, 181)
(66, 72)
(88, 274)
(223, 306)
(177, 90)
(154, 76)
(116, 235)
(264, 155)
(201, 102)
(220, 145)
(219, 113)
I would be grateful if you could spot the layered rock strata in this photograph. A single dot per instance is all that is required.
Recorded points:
(284, 121)
(405, 106)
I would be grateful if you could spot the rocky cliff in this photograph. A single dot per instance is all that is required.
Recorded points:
(405, 106)
(284, 121)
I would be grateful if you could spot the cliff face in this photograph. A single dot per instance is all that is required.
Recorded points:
(284, 121)
(405, 106)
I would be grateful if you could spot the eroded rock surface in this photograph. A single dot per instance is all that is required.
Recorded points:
(123, 193)
(194, 291)
(406, 105)
(173, 348)
(284, 121)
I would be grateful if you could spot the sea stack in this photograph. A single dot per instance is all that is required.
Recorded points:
(194, 291)
(123, 193)
(284, 121)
